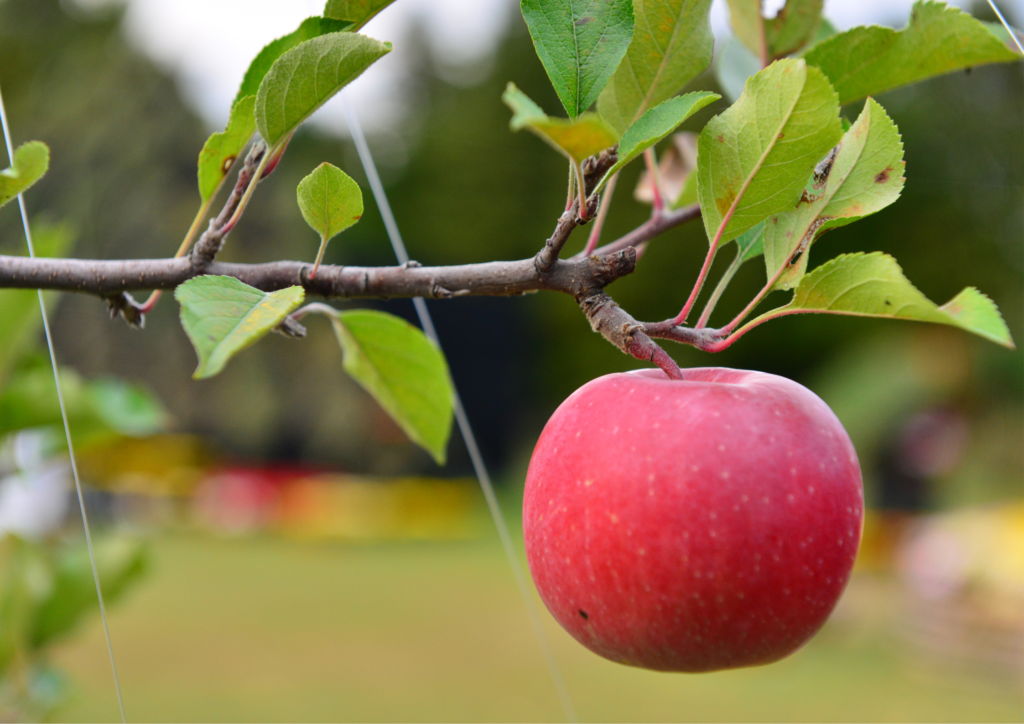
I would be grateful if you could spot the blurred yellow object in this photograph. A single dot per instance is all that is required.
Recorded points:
(161, 465)
(356, 508)
(964, 574)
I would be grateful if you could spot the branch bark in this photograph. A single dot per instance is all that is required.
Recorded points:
(497, 278)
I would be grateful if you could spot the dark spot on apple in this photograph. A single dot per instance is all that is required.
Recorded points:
(584, 615)
(883, 175)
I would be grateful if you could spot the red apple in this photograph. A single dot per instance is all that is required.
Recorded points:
(693, 525)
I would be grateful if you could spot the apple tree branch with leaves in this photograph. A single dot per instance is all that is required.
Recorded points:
(774, 170)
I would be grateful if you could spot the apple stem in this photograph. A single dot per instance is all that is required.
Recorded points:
(644, 348)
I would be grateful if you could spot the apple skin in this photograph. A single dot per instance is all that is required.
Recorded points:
(696, 525)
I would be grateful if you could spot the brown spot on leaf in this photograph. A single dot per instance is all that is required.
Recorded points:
(226, 166)
(721, 138)
(583, 21)
(883, 175)
(724, 203)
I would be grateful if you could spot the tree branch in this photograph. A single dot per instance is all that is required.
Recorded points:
(652, 228)
(498, 278)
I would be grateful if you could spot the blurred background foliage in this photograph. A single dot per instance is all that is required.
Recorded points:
(937, 416)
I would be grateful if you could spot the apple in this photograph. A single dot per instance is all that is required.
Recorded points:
(695, 525)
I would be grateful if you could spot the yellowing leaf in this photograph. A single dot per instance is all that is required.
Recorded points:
(222, 316)
(873, 285)
(577, 140)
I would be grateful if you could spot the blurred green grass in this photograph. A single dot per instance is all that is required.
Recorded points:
(267, 629)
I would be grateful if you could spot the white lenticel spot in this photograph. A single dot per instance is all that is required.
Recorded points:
(810, 489)
(790, 497)
(650, 478)
(735, 507)
(614, 518)
(744, 498)
(765, 499)
(588, 483)
(725, 474)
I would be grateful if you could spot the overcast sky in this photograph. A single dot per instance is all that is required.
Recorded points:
(207, 44)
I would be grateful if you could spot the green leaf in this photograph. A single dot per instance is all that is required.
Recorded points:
(222, 316)
(672, 44)
(119, 563)
(866, 61)
(330, 200)
(309, 28)
(654, 125)
(360, 12)
(750, 244)
(795, 25)
(404, 371)
(873, 285)
(754, 158)
(20, 319)
(864, 176)
(97, 410)
(580, 43)
(748, 25)
(221, 149)
(31, 161)
(587, 135)
(307, 76)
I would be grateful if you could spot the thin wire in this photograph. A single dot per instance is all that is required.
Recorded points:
(460, 415)
(1006, 25)
(64, 417)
